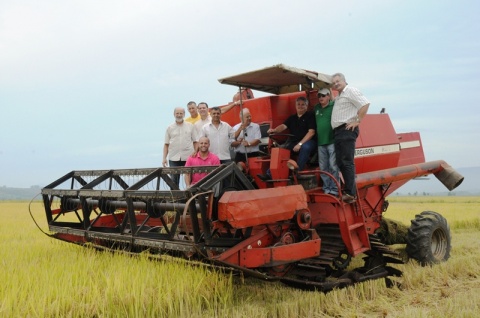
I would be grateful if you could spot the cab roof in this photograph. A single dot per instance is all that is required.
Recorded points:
(279, 79)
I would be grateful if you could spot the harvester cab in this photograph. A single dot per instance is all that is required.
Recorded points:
(285, 228)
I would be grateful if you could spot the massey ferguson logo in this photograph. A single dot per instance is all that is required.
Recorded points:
(364, 152)
(380, 150)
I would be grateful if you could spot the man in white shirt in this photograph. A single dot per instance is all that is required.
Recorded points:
(246, 137)
(205, 117)
(219, 133)
(349, 109)
(180, 142)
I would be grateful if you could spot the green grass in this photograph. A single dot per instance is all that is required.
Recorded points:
(43, 277)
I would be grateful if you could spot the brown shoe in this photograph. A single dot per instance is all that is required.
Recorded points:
(347, 198)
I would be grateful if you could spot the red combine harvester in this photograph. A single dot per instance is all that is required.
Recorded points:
(284, 229)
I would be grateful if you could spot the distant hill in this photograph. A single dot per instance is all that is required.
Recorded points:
(20, 193)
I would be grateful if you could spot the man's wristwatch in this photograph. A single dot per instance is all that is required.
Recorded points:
(300, 144)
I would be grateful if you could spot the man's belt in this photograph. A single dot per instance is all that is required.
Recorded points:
(342, 126)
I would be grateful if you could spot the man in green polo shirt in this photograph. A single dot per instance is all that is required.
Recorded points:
(326, 147)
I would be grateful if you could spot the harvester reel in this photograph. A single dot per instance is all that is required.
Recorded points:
(428, 239)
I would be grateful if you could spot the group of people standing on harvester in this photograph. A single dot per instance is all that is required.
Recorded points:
(331, 129)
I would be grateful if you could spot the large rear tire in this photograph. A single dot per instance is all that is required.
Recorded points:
(428, 238)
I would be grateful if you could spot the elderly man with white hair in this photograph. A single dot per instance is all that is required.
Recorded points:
(180, 142)
(349, 109)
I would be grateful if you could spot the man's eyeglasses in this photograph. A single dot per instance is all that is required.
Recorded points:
(321, 95)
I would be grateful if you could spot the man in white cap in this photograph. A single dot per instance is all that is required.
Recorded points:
(327, 161)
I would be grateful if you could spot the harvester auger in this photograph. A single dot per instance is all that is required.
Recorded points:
(285, 229)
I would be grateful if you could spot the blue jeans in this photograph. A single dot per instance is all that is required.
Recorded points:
(176, 177)
(327, 161)
(345, 151)
(306, 150)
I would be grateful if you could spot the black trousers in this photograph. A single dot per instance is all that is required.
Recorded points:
(176, 177)
(345, 152)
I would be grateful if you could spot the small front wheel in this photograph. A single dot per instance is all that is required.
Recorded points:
(428, 238)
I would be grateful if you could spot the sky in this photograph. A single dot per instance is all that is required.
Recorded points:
(87, 85)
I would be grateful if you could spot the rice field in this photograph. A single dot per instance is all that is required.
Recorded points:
(43, 277)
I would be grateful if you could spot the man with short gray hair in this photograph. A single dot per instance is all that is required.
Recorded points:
(246, 137)
(349, 109)
(302, 127)
(192, 109)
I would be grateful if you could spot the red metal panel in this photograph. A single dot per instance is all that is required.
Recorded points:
(323, 212)
(284, 106)
(258, 166)
(352, 227)
(278, 255)
(273, 109)
(372, 206)
(377, 145)
(260, 108)
(411, 149)
(263, 206)
(411, 152)
(109, 221)
(277, 163)
(261, 238)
